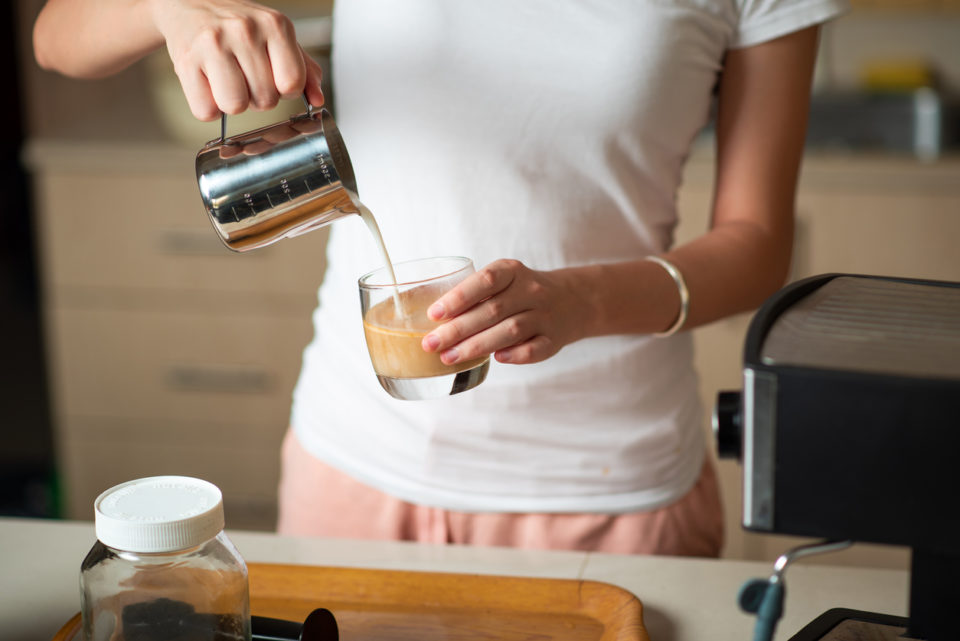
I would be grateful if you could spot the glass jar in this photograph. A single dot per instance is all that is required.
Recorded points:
(162, 568)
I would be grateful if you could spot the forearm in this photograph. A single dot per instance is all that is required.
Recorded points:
(731, 269)
(734, 268)
(94, 38)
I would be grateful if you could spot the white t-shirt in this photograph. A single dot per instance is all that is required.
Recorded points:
(550, 132)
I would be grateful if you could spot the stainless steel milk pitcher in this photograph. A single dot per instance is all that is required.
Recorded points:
(277, 181)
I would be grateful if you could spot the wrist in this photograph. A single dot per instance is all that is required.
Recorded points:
(684, 294)
(583, 314)
(635, 297)
(158, 13)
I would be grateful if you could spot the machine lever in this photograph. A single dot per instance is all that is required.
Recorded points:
(764, 597)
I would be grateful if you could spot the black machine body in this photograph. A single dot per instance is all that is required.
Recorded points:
(848, 424)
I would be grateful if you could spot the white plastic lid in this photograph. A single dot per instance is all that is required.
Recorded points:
(159, 514)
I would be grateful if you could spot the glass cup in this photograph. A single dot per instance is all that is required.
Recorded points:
(395, 322)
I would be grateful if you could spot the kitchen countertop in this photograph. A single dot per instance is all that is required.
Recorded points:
(683, 599)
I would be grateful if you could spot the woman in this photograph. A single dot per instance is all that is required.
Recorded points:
(553, 134)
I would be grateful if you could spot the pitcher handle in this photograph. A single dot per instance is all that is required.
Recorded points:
(223, 120)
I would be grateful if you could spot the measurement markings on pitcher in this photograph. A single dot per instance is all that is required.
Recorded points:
(324, 167)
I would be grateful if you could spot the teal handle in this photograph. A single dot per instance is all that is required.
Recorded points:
(765, 599)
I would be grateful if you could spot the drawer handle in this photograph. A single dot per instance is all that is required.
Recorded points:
(230, 380)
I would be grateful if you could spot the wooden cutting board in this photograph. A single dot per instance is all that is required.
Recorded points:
(395, 605)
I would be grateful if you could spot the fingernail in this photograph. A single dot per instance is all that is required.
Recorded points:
(436, 311)
(430, 342)
(450, 356)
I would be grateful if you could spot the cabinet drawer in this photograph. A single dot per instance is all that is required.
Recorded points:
(243, 462)
(906, 235)
(176, 366)
(150, 231)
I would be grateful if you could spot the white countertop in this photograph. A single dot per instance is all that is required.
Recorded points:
(683, 599)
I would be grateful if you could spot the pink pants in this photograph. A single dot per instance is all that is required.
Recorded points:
(317, 500)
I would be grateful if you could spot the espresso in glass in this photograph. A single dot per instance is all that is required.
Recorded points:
(395, 321)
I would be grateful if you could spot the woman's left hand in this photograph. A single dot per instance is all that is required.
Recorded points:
(518, 314)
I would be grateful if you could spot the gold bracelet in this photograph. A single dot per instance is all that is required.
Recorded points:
(684, 295)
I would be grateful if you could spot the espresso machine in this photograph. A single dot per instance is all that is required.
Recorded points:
(848, 430)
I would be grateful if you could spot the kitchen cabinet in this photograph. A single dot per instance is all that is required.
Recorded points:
(880, 215)
(168, 353)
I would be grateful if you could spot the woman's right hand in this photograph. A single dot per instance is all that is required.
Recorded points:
(231, 55)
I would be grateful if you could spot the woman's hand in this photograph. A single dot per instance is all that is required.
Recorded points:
(518, 314)
(231, 55)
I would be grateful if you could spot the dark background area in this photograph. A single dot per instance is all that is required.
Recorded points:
(27, 470)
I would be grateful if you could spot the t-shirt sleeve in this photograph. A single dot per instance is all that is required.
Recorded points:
(762, 20)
